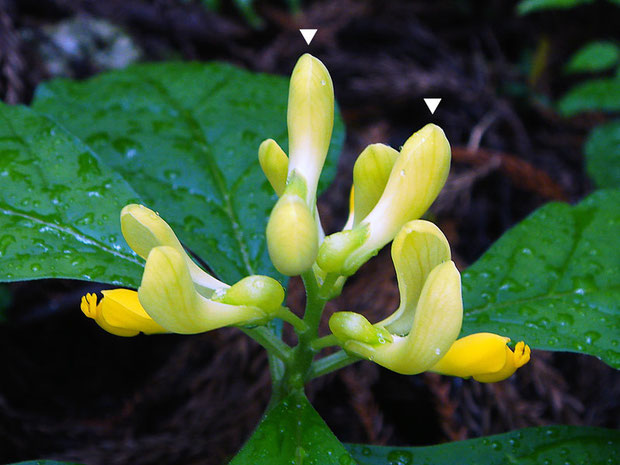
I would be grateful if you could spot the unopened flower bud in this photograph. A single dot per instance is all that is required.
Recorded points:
(292, 236)
(353, 326)
(274, 164)
(257, 291)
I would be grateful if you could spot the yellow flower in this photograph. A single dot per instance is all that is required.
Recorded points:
(294, 231)
(176, 295)
(483, 356)
(120, 313)
(421, 334)
(391, 189)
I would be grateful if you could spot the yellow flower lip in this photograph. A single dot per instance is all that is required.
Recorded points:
(119, 312)
(484, 356)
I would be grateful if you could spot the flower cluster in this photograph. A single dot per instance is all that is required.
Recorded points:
(391, 191)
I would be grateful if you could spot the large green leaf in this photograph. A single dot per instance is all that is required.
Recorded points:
(603, 154)
(59, 206)
(561, 445)
(293, 432)
(185, 136)
(592, 95)
(595, 56)
(553, 280)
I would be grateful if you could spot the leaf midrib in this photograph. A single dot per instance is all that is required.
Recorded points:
(80, 237)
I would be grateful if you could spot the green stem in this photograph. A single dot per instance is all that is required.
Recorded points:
(285, 314)
(331, 363)
(272, 343)
(325, 341)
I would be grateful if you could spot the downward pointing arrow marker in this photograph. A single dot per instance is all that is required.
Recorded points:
(432, 104)
(308, 34)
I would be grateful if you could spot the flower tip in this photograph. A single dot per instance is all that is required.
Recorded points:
(521, 354)
(88, 305)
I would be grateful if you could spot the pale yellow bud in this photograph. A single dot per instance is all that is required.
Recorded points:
(310, 121)
(257, 291)
(336, 248)
(292, 236)
(351, 325)
(274, 164)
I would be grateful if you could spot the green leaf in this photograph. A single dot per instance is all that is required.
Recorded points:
(595, 56)
(575, 445)
(593, 95)
(186, 136)
(553, 280)
(59, 206)
(293, 430)
(529, 6)
(603, 154)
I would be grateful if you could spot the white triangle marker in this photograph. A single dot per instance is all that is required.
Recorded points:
(308, 34)
(432, 104)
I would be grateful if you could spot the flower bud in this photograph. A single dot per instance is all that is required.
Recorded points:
(310, 121)
(256, 291)
(292, 236)
(274, 164)
(351, 325)
(336, 248)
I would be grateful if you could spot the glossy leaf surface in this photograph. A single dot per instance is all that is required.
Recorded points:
(186, 136)
(553, 280)
(603, 154)
(293, 432)
(574, 445)
(59, 206)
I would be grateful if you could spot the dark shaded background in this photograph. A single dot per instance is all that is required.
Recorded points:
(71, 391)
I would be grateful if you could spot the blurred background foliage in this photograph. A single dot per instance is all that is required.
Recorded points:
(530, 105)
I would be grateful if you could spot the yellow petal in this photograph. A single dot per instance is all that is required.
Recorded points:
(514, 360)
(274, 164)
(485, 356)
(144, 229)
(310, 121)
(292, 236)
(119, 313)
(169, 297)
(417, 249)
(121, 308)
(416, 178)
(474, 354)
(436, 325)
(370, 175)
